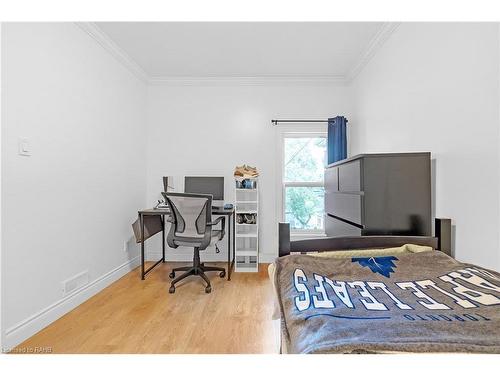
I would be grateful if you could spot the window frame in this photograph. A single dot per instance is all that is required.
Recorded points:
(308, 131)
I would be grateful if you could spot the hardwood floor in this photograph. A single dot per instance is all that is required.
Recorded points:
(134, 316)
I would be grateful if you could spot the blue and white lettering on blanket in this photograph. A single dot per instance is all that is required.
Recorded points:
(424, 302)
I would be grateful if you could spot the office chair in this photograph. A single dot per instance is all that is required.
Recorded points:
(192, 226)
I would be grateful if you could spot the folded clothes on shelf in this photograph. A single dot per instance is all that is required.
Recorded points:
(245, 171)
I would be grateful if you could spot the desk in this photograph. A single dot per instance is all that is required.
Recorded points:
(166, 212)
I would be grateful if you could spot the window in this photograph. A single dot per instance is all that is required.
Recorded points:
(304, 160)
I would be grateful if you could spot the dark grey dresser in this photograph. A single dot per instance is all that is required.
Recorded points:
(379, 194)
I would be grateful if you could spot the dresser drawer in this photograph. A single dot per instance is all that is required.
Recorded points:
(350, 176)
(336, 228)
(346, 206)
(332, 179)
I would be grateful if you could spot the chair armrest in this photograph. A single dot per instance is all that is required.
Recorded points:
(217, 221)
(222, 220)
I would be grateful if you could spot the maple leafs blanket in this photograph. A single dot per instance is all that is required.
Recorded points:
(424, 302)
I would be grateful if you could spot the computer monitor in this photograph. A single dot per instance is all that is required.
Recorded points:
(206, 185)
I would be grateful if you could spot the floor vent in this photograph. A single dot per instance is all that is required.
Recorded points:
(76, 282)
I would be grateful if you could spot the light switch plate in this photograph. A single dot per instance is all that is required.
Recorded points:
(24, 147)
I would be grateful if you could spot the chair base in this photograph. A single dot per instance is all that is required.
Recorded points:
(196, 269)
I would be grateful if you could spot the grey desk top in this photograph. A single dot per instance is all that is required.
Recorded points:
(166, 211)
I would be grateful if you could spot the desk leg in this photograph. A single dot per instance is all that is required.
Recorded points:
(234, 240)
(163, 221)
(229, 249)
(141, 220)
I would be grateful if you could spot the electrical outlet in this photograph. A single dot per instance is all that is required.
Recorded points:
(125, 246)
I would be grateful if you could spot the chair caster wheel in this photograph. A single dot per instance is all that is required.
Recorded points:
(171, 290)
(208, 289)
(171, 274)
(222, 274)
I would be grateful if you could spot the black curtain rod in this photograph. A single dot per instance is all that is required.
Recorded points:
(275, 122)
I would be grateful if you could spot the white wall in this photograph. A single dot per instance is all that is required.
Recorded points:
(209, 129)
(435, 87)
(69, 206)
(2, 340)
(101, 140)
(498, 25)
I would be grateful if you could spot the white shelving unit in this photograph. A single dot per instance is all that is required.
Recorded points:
(247, 234)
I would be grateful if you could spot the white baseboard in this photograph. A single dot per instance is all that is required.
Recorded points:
(185, 256)
(267, 258)
(28, 327)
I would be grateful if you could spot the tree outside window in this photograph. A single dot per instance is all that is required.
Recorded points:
(304, 163)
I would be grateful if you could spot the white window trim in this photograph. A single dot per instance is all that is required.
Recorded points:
(288, 131)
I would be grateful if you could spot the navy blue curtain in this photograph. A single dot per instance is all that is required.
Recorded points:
(337, 139)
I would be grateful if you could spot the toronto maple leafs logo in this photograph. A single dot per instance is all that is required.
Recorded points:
(381, 265)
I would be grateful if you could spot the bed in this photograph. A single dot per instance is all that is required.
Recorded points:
(380, 294)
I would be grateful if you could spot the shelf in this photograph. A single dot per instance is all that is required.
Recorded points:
(242, 253)
(247, 235)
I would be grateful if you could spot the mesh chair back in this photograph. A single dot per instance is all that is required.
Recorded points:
(191, 213)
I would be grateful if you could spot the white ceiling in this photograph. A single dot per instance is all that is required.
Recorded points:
(253, 49)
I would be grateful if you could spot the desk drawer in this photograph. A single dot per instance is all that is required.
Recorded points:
(346, 206)
(350, 176)
(338, 228)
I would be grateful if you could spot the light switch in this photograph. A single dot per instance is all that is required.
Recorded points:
(24, 147)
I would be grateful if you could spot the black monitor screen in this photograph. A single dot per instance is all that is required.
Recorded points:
(205, 185)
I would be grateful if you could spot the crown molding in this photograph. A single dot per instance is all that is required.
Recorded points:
(248, 81)
(109, 45)
(378, 40)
